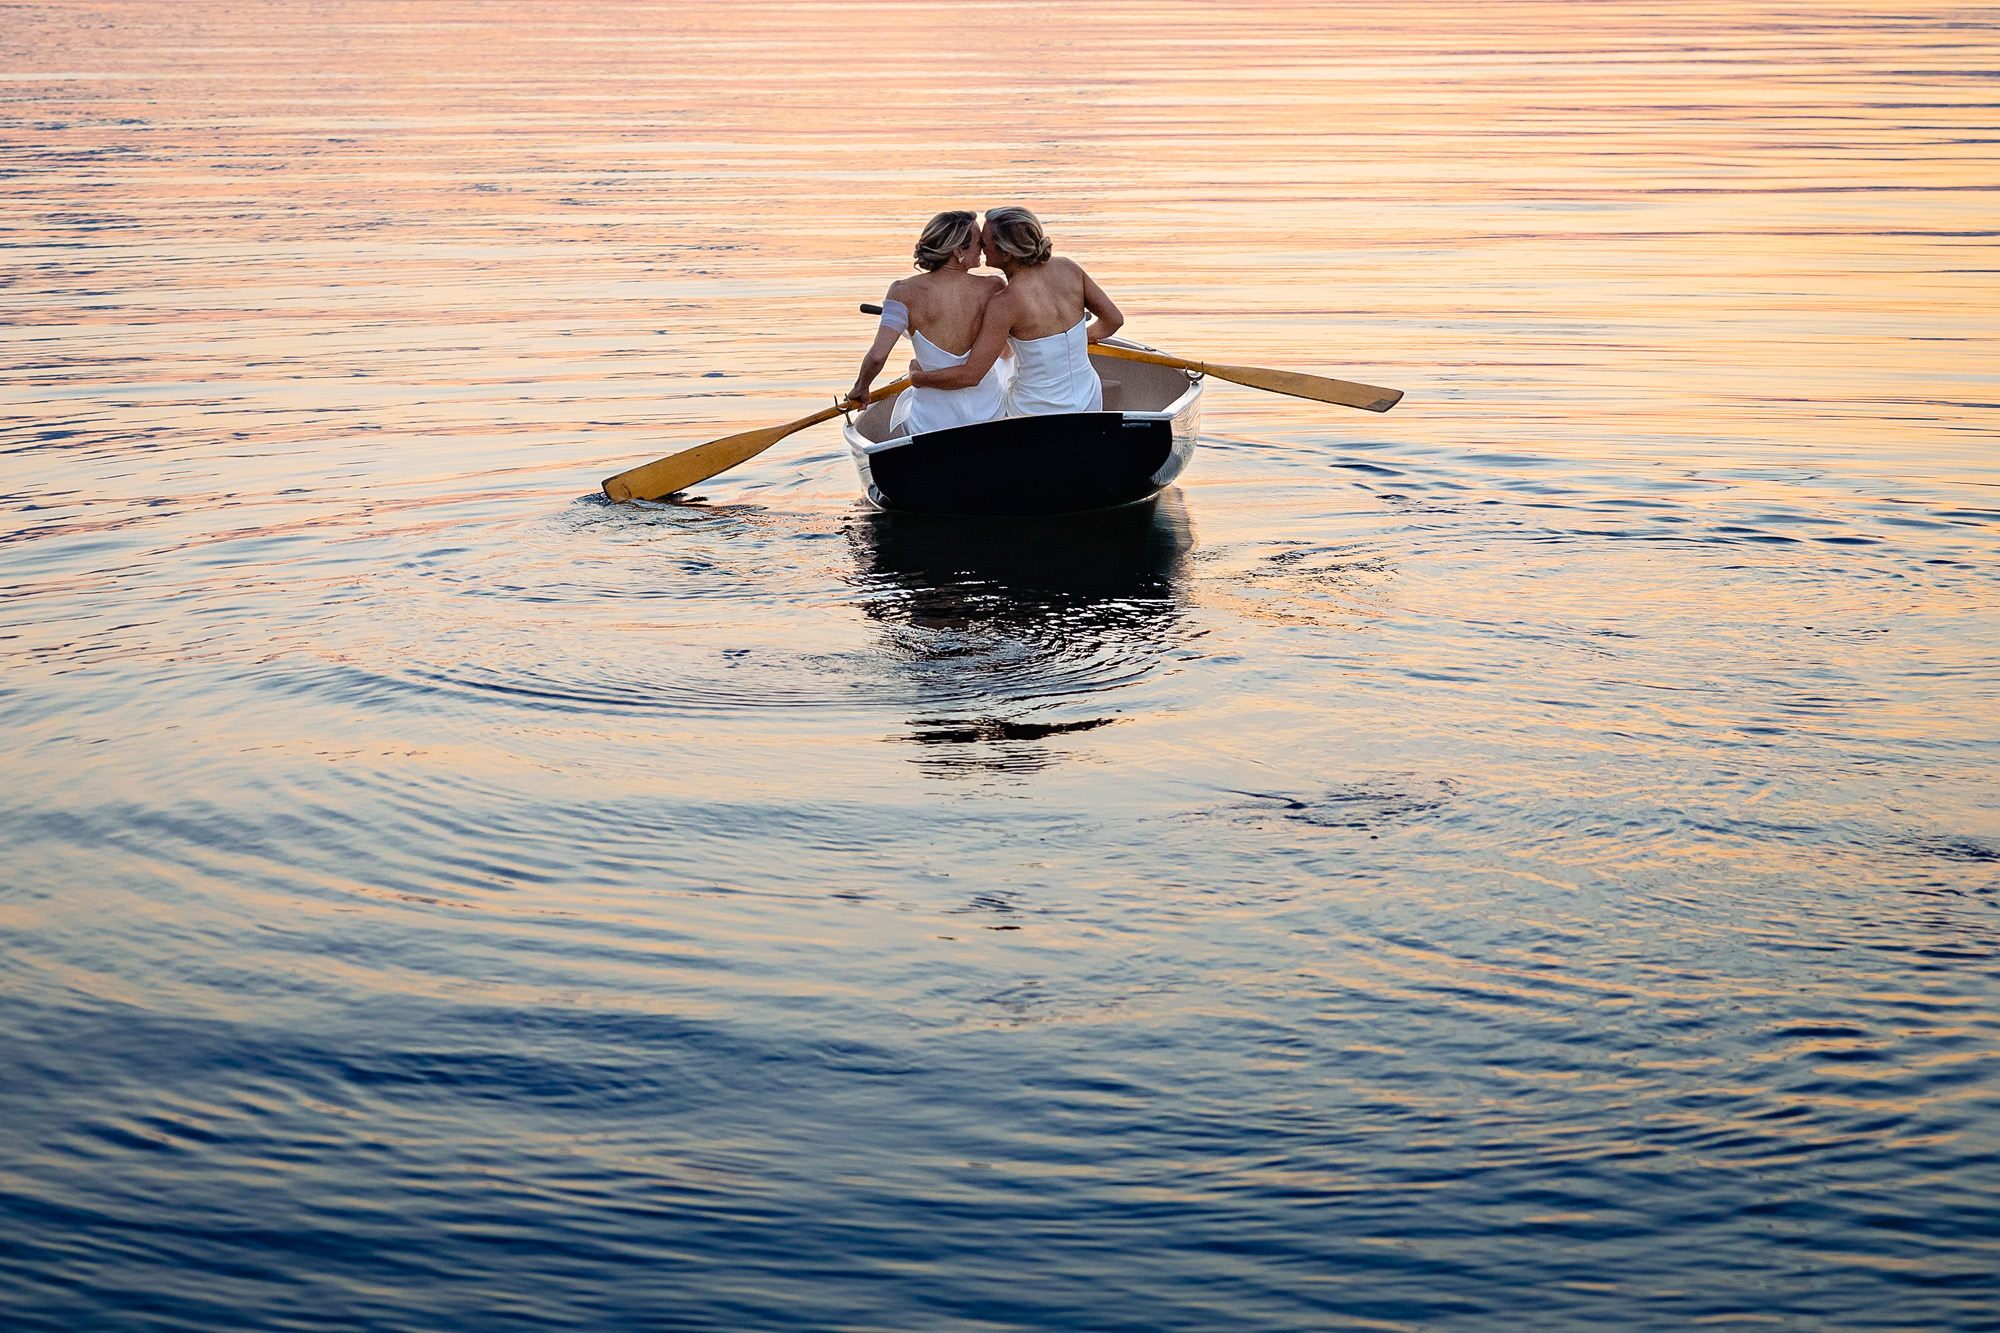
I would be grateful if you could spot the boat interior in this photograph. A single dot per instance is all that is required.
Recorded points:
(1129, 386)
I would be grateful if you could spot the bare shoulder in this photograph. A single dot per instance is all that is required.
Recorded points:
(1069, 274)
(900, 289)
(1004, 308)
(992, 283)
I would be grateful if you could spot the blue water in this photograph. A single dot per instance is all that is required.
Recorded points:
(1526, 860)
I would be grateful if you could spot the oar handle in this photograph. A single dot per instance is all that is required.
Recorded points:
(870, 308)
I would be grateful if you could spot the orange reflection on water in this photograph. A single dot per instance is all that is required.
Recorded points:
(1563, 744)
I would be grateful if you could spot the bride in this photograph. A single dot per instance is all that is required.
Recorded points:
(941, 308)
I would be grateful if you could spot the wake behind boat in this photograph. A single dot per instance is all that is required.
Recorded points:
(1052, 464)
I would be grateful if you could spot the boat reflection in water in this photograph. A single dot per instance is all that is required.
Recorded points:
(1010, 633)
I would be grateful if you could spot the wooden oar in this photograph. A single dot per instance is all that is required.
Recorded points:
(676, 472)
(1367, 397)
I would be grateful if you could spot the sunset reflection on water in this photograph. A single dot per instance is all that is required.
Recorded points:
(1525, 859)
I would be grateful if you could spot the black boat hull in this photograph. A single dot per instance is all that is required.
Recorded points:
(1057, 464)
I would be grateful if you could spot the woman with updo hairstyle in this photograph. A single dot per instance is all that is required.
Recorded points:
(1016, 233)
(940, 308)
(1043, 319)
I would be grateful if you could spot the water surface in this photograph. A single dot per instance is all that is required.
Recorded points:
(1529, 859)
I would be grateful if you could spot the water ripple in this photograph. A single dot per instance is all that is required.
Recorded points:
(1525, 859)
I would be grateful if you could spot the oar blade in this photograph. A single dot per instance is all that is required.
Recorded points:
(1367, 397)
(676, 472)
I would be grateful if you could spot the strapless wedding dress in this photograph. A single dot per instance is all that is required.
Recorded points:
(920, 410)
(1054, 374)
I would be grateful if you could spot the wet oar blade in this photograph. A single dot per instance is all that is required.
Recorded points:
(676, 472)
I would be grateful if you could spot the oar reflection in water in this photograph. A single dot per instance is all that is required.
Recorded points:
(1012, 633)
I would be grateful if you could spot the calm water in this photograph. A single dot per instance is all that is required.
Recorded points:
(1527, 860)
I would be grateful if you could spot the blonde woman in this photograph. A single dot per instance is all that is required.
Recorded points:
(1043, 318)
(941, 308)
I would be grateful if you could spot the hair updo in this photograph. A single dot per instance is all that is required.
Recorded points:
(1017, 234)
(944, 236)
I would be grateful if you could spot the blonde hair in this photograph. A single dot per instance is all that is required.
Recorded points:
(1018, 234)
(944, 236)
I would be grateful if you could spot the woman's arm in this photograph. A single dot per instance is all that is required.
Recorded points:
(1108, 320)
(995, 322)
(895, 318)
(871, 365)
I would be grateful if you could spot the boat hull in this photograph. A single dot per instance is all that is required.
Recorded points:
(1061, 463)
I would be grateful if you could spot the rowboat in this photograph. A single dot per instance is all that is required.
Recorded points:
(1056, 464)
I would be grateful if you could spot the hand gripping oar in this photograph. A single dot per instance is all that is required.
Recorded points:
(1367, 397)
(676, 472)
